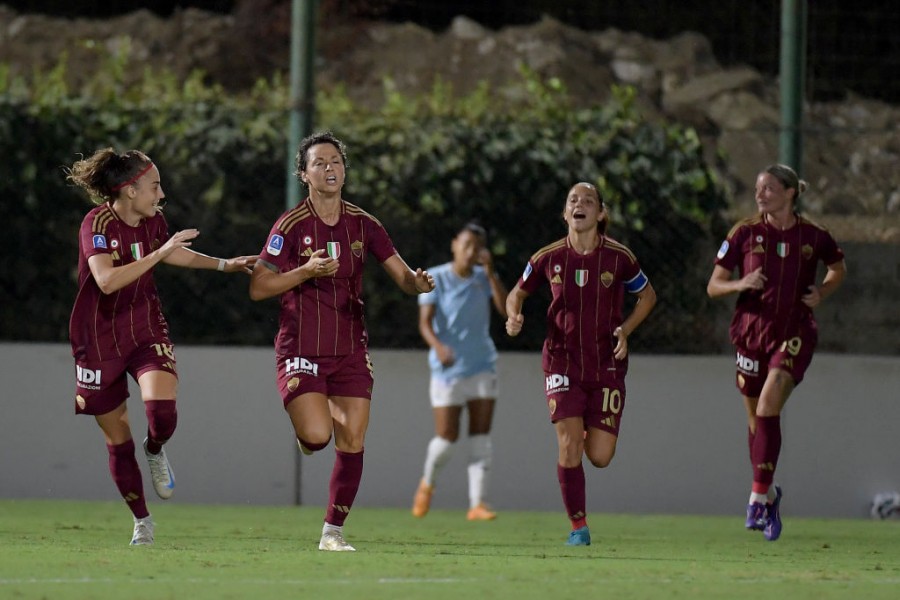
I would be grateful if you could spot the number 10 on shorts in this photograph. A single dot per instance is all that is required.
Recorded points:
(612, 401)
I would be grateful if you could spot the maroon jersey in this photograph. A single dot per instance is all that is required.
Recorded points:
(587, 296)
(110, 326)
(763, 319)
(323, 316)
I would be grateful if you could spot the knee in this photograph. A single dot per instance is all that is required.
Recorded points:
(600, 455)
(570, 454)
(313, 438)
(313, 444)
(481, 448)
(312, 433)
(447, 428)
(162, 418)
(783, 380)
(351, 444)
(349, 439)
(601, 462)
(451, 435)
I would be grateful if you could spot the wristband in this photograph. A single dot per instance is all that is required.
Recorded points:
(221, 266)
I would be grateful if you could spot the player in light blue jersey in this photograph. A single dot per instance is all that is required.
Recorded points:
(454, 320)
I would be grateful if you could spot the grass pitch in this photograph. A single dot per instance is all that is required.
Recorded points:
(79, 550)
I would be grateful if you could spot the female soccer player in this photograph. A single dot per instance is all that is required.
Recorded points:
(776, 253)
(454, 320)
(314, 260)
(585, 356)
(117, 325)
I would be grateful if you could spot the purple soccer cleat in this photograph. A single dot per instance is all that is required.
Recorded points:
(756, 516)
(772, 529)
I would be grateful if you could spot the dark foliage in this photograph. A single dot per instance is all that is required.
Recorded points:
(422, 166)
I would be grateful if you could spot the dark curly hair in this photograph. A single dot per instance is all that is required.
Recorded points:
(103, 174)
(323, 137)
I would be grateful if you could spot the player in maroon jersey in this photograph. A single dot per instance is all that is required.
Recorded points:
(313, 259)
(776, 253)
(117, 327)
(585, 356)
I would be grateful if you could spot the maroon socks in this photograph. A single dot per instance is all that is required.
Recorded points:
(765, 451)
(344, 484)
(571, 483)
(127, 475)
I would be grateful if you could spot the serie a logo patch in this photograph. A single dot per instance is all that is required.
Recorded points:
(276, 243)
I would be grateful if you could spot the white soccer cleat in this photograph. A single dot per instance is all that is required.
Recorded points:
(885, 505)
(333, 541)
(143, 532)
(160, 473)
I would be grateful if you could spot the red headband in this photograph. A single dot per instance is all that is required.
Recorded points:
(140, 174)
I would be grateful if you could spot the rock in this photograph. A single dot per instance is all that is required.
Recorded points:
(851, 148)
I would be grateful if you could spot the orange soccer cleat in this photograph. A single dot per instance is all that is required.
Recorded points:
(481, 512)
(422, 499)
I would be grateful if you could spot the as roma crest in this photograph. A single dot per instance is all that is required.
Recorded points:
(606, 278)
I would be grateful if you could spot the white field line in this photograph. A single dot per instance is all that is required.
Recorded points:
(399, 581)
(144, 581)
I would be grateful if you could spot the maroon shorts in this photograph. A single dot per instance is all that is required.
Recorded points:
(793, 357)
(599, 403)
(350, 375)
(102, 386)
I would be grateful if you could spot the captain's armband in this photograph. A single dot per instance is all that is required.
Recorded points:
(268, 265)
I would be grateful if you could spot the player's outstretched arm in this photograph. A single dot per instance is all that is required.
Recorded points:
(411, 282)
(110, 278)
(191, 259)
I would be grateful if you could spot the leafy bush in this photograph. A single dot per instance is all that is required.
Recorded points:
(421, 165)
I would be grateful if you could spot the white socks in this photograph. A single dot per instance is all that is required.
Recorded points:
(439, 452)
(480, 456)
(766, 498)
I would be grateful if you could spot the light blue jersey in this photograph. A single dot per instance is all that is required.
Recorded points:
(462, 316)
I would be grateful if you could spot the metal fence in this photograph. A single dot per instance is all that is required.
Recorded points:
(852, 161)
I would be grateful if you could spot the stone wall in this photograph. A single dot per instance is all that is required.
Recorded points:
(683, 446)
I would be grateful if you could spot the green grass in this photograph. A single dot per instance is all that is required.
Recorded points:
(73, 550)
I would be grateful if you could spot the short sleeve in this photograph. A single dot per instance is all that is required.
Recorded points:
(93, 237)
(533, 276)
(729, 254)
(277, 250)
(379, 242)
(831, 252)
(635, 279)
